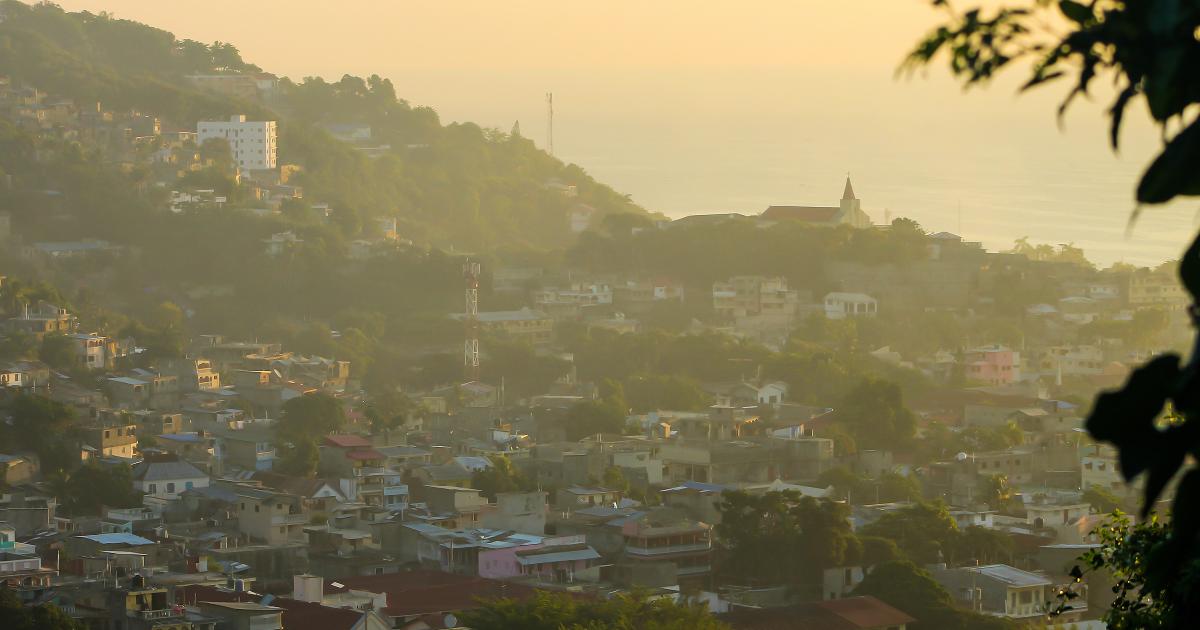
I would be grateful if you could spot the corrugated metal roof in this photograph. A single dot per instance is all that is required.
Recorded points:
(117, 539)
(1010, 575)
(558, 556)
(156, 471)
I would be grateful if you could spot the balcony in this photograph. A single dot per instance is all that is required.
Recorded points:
(374, 471)
(165, 613)
(666, 550)
(289, 519)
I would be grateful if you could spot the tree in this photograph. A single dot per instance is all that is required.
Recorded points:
(501, 476)
(875, 415)
(995, 491)
(906, 587)
(845, 482)
(525, 372)
(387, 409)
(301, 459)
(593, 416)
(782, 536)
(93, 487)
(304, 421)
(16, 616)
(877, 550)
(558, 611)
(310, 417)
(924, 532)
(893, 486)
(1147, 594)
(1104, 501)
(614, 479)
(58, 351)
(1151, 52)
(982, 544)
(649, 392)
(44, 427)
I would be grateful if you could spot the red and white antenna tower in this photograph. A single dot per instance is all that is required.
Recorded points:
(471, 321)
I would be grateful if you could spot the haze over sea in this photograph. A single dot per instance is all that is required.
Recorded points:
(731, 107)
(992, 170)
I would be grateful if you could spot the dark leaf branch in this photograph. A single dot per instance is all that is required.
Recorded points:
(1150, 49)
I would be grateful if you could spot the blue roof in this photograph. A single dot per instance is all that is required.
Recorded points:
(180, 437)
(117, 539)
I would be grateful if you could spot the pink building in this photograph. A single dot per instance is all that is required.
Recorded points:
(551, 560)
(994, 365)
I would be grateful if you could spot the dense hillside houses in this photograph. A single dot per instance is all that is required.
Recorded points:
(297, 355)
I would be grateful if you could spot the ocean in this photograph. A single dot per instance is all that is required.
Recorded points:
(986, 165)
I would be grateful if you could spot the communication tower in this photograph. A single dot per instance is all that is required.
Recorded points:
(471, 321)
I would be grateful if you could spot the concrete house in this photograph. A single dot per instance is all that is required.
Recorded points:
(166, 477)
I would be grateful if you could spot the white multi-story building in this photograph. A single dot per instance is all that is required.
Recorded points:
(253, 143)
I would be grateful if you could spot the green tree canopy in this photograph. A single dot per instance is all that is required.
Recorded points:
(501, 476)
(90, 488)
(906, 587)
(924, 531)
(782, 536)
(875, 414)
(58, 351)
(16, 616)
(46, 428)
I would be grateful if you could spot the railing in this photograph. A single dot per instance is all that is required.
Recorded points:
(289, 519)
(665, 550)
(165, 613)
(371, 471)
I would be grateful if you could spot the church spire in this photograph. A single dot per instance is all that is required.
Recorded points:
(848, 193)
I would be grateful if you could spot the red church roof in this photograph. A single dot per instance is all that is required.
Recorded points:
(811, 214)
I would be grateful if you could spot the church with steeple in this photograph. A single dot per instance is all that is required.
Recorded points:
(848, 212)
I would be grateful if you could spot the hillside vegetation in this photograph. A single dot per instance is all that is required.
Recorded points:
(457, 184)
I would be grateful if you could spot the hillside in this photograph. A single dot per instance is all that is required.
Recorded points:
(449, 185)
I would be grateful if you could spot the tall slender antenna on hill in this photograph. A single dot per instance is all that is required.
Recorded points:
(550, 123)
(471, 321)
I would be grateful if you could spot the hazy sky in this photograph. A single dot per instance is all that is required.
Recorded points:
(310, 37)
(725, 106)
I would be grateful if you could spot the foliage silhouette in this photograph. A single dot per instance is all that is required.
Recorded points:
(1150, 50)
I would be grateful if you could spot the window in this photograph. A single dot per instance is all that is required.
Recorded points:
(153, 488)
(171, 487)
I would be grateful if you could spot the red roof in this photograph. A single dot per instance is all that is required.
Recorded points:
(347, 441)
(814, 214)
(866, 611)
(851, 613)
(414, 593)
(365, 454)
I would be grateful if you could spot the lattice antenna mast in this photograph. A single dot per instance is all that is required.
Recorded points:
(550, 123)
(471, 321)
